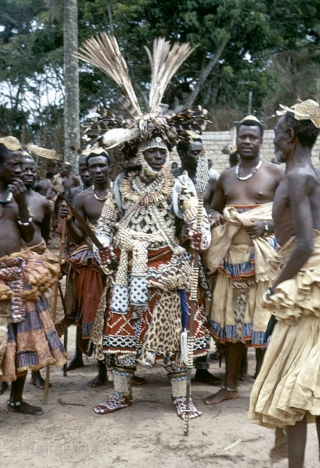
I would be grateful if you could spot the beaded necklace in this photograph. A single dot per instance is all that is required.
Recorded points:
(132, 188)
(96, 196)
(255, 170)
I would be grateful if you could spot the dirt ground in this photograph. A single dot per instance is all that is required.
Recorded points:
(148, 434)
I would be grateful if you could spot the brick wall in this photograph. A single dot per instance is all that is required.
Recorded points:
(215, 142)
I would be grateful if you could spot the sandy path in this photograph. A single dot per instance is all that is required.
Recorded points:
(146, 435)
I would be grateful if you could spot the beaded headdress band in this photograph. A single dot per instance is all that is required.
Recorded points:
(303, 110)
(131, 128)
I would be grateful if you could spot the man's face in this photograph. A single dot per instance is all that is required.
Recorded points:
(84, 172)
(11, 167)
(29, 172)
(280, 141)
(155, 157)
(191, 156)
(248, 141)
(98, 169)
(64, 170)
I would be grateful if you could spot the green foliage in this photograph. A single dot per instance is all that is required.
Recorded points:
(256, 43)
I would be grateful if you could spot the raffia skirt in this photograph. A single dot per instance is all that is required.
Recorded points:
(288, 385)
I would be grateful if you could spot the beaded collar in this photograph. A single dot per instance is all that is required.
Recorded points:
(132, 187)
(255, 170)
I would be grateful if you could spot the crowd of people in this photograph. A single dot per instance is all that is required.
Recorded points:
(157, 265)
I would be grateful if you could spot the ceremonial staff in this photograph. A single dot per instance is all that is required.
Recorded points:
(202, 181)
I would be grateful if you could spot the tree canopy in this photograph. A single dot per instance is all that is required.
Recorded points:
(268, 47)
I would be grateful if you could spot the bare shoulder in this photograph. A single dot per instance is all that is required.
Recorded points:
(303, 174)
(83, 197)
(41, 199)
(226, 174)
(276, 170)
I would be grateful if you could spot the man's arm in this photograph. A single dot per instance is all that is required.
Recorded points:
(303, 225)
(73, 228)
(49, 190)
(210, 191)
(46, 223)
(26, 225)
(218, 203)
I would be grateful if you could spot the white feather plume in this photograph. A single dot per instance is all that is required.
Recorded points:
(103, 52)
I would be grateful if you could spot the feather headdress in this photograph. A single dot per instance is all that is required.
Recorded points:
(131, 125)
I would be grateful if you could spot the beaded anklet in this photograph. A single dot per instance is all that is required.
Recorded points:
(224, 387)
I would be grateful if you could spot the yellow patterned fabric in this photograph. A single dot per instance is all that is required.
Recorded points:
(288, 385)
(223, 237)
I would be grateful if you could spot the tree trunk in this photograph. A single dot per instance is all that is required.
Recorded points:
(71, 83)
(206, 70)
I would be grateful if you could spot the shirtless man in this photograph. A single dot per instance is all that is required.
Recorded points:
(45, 186)
(31, 338)
(41, 215)
(189, 152)
(89, 282)
(233, 323)
(77, 360)
(287, 388)
(70, 180)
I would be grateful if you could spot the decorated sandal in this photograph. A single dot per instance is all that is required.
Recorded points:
(114, 404)
(181, 407)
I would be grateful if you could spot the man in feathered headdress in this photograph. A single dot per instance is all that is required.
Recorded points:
(287, 390)
(147, 302)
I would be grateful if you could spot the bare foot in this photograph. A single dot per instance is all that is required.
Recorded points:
(98, 381)
(204, 376)
(222, 395)
(136, 380)
(24, 408)
(280, 449)
(75, 364)
(37, 380)
(3, 387)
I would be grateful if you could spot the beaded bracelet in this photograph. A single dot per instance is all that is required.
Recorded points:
(24, 224)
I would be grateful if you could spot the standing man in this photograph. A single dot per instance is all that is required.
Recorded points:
(45, 187)
(240, 252)
(149, 300)
(41, 214)
(71, 313)
(287, 389)
(86, 180)
(86, 275)
(189, 149)
(31, 341)
(70, 180)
